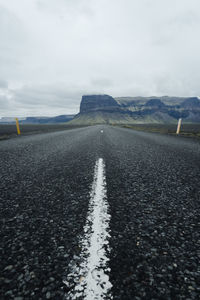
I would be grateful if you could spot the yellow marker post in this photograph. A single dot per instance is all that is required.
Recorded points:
(17, 125)
(179, 126)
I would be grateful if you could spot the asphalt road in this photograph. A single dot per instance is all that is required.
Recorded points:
(153, 194)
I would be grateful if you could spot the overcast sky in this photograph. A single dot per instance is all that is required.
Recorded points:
(54, 51)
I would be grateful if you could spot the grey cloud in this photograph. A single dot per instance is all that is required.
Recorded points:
(13, 44)
(6, 107)
(3, 84)
(53, 51)
(12, 32)
(101, 82)
(4, 103)
(66, 8)
(40, 100)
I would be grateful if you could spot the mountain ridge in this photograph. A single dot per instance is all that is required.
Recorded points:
(104, 109)
(38, 120)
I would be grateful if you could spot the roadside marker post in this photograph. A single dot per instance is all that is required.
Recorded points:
(179, 126)
(17, 125)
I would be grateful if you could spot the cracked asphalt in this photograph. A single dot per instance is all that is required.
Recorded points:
(154, 198)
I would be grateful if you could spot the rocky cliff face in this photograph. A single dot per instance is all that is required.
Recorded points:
(154, 103)
(95, 109)
(97, 102)
(191, 103)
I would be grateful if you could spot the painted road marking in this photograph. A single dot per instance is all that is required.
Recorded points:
(91, 278)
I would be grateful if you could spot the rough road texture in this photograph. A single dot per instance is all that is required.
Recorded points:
(154, 198)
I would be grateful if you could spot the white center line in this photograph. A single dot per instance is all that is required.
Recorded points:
(92, 279)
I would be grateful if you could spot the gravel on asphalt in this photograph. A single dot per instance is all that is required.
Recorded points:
(154, 201)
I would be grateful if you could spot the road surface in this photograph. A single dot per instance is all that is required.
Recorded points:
(100, 213)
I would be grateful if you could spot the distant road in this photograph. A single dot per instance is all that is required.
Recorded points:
(141, 242)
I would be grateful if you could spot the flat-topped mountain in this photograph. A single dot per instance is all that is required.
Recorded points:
(97, 102)
(154, 103)
(191, 103)
(101, 109)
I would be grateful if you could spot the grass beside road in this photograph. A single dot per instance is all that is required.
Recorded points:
(188, 130)
(9, 130)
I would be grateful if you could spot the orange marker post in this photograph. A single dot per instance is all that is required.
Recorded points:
(17, 125)
(179, 126)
